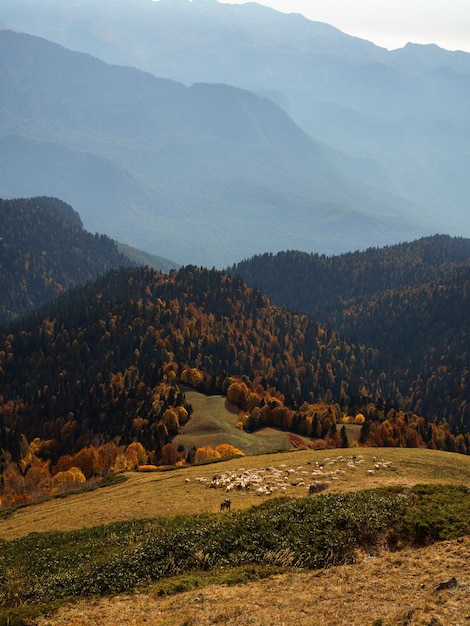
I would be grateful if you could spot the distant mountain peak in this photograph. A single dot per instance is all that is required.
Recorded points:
(431, 56)
(370, 147)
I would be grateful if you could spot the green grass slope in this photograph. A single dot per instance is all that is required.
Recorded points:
(214, 422)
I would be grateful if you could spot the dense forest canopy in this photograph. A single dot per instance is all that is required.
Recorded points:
(97, 373)
(320, 285)
(44, 251)
(96, 358)
(409, 301)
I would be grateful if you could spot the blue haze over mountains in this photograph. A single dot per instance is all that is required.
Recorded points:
(233, 130)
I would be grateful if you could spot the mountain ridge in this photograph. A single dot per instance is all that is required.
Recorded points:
(220, 336)
(349, 94)
(210, 157)
(396, 122)
(45, 251)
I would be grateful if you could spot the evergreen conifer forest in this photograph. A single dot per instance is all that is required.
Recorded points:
(93, 380)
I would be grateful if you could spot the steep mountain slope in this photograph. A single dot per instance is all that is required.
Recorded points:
(139, 257)
(101, 364)
(408, 301)
(322, 285)
(400, 118)
(44, 251)
(104, 192)
(206, 174)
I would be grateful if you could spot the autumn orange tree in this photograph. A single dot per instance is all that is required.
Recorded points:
(103, 364)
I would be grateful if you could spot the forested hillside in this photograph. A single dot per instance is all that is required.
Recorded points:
(414, 292)
(44, 251)
(409, 302)
(101, 366)
(323, 285)
(99, 352)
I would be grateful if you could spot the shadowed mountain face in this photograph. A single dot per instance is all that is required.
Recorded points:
(45, 251)
(204, 174)
(400, 119)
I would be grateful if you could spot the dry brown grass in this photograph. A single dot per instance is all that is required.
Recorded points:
(399, 589)
(148, 495)
(396, 589)
(392, 589)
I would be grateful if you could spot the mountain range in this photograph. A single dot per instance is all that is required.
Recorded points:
(382, 342)
(323, 142)
(320, 142)
(96, 380)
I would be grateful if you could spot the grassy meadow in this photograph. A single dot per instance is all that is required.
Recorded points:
(213, 422)
(386, 539)
(159, 539)
(173, 492)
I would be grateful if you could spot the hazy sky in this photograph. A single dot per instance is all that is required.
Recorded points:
(390, 23)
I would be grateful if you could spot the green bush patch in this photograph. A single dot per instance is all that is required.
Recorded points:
(315, 532)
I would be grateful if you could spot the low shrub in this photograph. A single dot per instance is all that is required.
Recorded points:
(314, 532)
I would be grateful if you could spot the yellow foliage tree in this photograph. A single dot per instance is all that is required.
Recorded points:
(225, 450)
(38, 477)
(140, 453)
(13, 481)
(253, 400)
(192, 376)
(171, 421)
(122, 462)
(132, 460)
(237, 393)
(182, 414)
(88, 461)
(65, 480)
(108, 452)
(206, 453)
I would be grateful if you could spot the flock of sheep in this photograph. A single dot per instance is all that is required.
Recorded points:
(271, 480)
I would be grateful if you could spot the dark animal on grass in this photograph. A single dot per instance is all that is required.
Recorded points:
(316, 487)
(225, 505)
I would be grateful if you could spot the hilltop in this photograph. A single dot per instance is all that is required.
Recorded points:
(45, 251)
